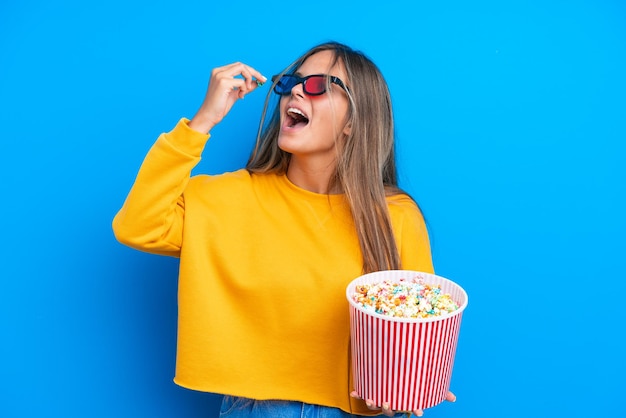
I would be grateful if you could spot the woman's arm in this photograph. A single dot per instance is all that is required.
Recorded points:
(151, 218)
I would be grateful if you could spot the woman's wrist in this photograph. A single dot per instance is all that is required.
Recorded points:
(200, 124)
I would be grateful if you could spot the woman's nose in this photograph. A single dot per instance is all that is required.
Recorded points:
(298, 90)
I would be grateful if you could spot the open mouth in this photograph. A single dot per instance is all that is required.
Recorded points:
(296, 118)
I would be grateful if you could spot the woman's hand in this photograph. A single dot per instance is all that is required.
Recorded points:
(223, 91)
(388, 412)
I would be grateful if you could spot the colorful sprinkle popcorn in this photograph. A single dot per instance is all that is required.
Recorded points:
(406, 298)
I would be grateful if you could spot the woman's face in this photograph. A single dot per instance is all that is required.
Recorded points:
(311, 125)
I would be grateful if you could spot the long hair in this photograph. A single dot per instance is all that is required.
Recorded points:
(366, 170)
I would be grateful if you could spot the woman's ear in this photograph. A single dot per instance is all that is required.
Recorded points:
(347, 130)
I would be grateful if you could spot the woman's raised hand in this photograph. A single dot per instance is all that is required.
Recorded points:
(225, 88)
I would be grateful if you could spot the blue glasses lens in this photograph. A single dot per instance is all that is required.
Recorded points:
(285, 84)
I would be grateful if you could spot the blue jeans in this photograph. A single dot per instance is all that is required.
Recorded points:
(238, 407)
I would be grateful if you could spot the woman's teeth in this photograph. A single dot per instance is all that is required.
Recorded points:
(296, 116)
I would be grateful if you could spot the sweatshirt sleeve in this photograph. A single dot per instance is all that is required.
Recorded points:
(151, 218)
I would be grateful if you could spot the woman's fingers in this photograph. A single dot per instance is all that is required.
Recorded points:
(387, 410)
(368, 402)
(228, 84)
(371, 405)
(238, 79)
(450, 397)
(248, 74)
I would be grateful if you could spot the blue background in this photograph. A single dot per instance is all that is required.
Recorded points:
(511, 135)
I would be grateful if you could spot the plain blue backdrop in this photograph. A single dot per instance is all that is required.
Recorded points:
(511, 122)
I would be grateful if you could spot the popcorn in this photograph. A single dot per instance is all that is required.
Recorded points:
(405, 298)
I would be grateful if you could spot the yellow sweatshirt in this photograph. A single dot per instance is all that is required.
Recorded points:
(263, 270)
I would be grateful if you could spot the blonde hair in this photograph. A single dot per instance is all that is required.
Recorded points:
(365, 171)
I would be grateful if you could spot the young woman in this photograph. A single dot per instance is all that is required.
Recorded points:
(266, 252)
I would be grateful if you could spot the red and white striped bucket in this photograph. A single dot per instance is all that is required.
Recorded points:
(406, 362)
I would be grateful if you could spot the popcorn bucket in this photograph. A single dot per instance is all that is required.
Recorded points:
(406, 362)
